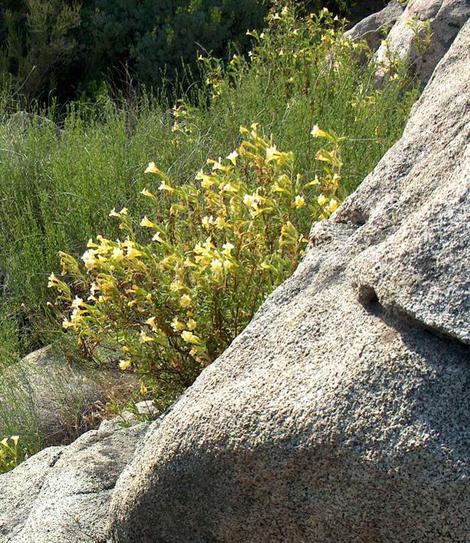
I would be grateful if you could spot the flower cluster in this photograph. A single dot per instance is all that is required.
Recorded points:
(9, 453)
(214, 250)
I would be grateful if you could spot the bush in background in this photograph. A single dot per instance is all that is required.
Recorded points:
(69, 48)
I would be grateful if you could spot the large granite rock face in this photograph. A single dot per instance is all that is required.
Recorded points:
(342, 413)
(62, 494)
(409, 38)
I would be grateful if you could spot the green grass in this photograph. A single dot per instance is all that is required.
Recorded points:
(56, 191)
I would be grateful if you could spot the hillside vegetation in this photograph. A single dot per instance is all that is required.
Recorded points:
(63, 171)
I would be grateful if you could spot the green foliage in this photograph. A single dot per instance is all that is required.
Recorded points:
(64, 47)
(38, 42)
(67, 48)
(217, 247)
(156, 38)
(59, 187)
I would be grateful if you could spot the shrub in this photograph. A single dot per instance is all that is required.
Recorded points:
(218, 247)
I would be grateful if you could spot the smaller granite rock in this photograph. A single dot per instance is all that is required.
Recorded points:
(62, 494)
(58, 397)
(423, 34)
(372, 29)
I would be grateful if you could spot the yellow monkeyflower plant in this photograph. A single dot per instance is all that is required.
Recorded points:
(214, 250)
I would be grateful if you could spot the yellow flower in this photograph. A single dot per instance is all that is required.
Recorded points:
(114, 213)
(145, 338)
(124, 364)
(299, 202)
(152, 168)
(89, 259)
(166, 187)
(233, 157)
(249, 200)
(228, 265)
(317, 132)
(147, 193)
(189, 337)
(157, 237)
(333, 205)
(217, 266)
(185, 300)
(177, 325)
(175, 286)
(207, 221)
(252, 201)
(67, 324)
(206, 180)
(117, 254)
(77, 302)
(132, 252)
(322, 200)
(191, 324)
(228, 187)
(216, 164)
(53, 281)
(151, 322)
(147, 223)
(271, 153)
(220, 223)
(227, 248)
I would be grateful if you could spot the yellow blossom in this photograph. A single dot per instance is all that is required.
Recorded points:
(152, 323)
(147, 223)
(233, 157)
(317, 132)
(189, 337)
(299, 201)
(322, 200)
(333, 205)
(271, 153)
(147, 193)
(145, 338)
(177, 325)
(191, 324)
(117, 254)
(152, 168)
(89, 259)
(217, 266)
(207, 221)
(132, 252)
(164, 186)
(77, 302)
(157, 237)
(185, 300)
(53, 281)
(206, 180)
(176, 286)
(220, 223)
(227, 248)
(124, 364)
